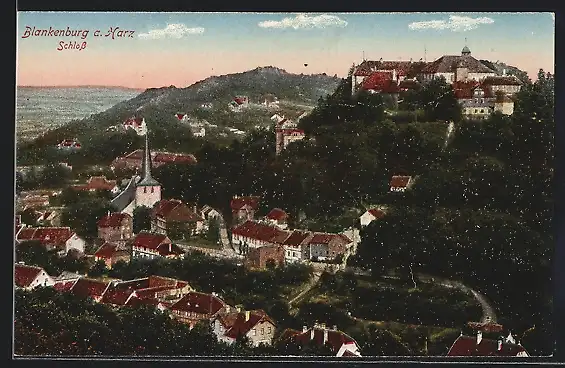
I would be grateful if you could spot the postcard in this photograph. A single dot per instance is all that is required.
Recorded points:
(284, 185)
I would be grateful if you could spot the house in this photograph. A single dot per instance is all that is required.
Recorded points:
(69, 145)
(253, 234)
(90, 288)
(146, 245)
(370, 215)
(270, 101)
(508, 84)
(181, 117)
(457, 68)
(286, 136)
(115, 227)
(196, 306)
(260, 257)
(243, 208)
(293, 245)
(198, 131)
(400, 183)
(176, 219)
(397, 70)
(29, 277)
(208, 213)
(475, 99)
(60, 238)
(238, 103)
(49, 218)
(96, 183)
(207, 105)
(325, 246)
(33, 201)
(110, 254)
(256, 325)
(136, 124)
(278, 218)
(479, 346)
(340, 343)
(503, 104)
(277, 118)
(161, 292)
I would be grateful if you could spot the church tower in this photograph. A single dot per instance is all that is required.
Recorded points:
(148, 190)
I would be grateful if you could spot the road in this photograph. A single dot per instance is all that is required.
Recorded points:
(313, 281)
(488, 311)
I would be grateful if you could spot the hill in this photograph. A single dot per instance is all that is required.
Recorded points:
(501, 67)
(159, 105)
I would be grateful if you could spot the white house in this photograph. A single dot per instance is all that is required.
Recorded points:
(370, 215)
(256, 325)
(29, 277)
(137, 124)
(61, 238)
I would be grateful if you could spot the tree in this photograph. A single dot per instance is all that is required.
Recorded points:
(82, 216)
(439, 102)
(213, 233)
(98, 269)
(141, 219)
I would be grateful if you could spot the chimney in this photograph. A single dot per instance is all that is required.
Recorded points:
(247, 313)
(304, 329)
(499, 345)
(479, 337)
(325, 336)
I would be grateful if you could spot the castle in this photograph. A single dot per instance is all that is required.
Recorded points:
(141, 190)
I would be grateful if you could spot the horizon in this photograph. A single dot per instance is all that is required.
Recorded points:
(181, 49)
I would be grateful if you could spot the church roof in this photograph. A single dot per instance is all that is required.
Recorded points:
(146, 178)
(448, 63)
(122, 200)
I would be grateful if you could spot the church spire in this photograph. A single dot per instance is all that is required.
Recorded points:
(146, 178)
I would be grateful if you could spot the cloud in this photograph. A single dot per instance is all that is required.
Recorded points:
(176, 30)
(304, 21)
(455, 23)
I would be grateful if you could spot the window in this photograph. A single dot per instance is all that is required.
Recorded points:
(254, 332)
(475, 111)
(262, 330)
(144, 189)
(482, 111)
(270, 330)
(152, 189)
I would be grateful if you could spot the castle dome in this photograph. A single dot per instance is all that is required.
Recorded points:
(465, 51)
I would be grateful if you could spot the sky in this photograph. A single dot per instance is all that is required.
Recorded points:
(183, 48)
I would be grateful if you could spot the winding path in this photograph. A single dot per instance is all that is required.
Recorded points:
(488, 311)
(313, 281)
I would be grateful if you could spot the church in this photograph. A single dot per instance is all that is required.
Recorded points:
(141, 190)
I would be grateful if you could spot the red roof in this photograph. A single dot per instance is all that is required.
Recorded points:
(149, 240)
(335, 338)
(134, 121)
(175, 210)
(201, 303)
(116, 296)
(46, 235)
(240, 100)
(376, 212)
(381, 82)
(169, 250)
(114, 219)
(398, 181)
(360, 72)
(89, 288)
(241, 326)
(258, 231)
(296, 238)
(106, 251)
(322, 238)
(180, 116)
(64, 286)
(240, 202)
(467, 346)
(486, 327)
(24, 275)
(502, 80)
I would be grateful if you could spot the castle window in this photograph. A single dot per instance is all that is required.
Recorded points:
(152, 189)
(144, 189)
(482, 111)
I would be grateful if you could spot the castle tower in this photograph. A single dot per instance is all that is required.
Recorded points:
(148, 190)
